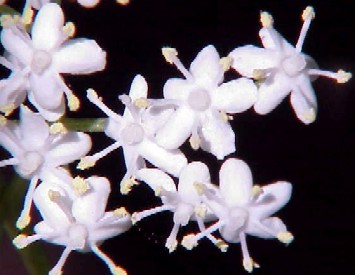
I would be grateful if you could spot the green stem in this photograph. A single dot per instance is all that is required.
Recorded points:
(5, 9)
(91, 125)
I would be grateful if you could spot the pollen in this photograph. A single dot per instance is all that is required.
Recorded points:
(135, 218)
(22, 222)
(308, 12)
(201, 211)
(158, 190)
(85, 163)
(3, 120)
(81, 186)
(54, 195)
(225, 116)
(195, 142)
(258, 74)
(343, 76)
(222, 245)
(285, 237)
(69, 29)
(226, 62)
(309, 115)
(120, 212)
(123, 2)
(171, 246)
(200, 188)
(57, 128)
(20, 241)
(119, 271)
(126, 185)
(256, 191)
(73, 103)
(27, 16)
(169, 54)
(141, 103)
(266, 19)
(7, 109)
(249, 264)
(189, 241)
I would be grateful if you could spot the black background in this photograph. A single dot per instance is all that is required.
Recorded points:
(317, 159)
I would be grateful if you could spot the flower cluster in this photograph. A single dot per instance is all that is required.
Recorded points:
(196, 108)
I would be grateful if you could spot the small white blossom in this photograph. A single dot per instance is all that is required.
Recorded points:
(243, 209)
(76, 222)
(183, 201)
(135, 135)
(37, 152)
(47, 54)
(203, 103)
(283, 69)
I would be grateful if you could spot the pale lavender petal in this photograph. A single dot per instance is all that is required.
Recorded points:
(139, 88)
(274, 225)
(17, 46)
(10, 139)
(113, 129)
(156, 178)
(177, 88)
(88, 3)
(48, 114)
(272, 39)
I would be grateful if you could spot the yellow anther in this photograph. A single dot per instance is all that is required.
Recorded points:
(195, 142)
(85, 163)
(54, 195)
(158, 190)
(69, 29)
(308, 13)
(126, 185)
(135, 218)
(169, 53)
(200, 188)
(80, 185)
(7, 109)
(189, 241)
(27, 16)
(285, 237)
(222, 245)
(201, 211)
(171, 245)
(249, 264)
(57, 128)
(141, 103)
(92, 93)
(123, 2)
(22, 222)
(120, 212)
(225, 116)
(119, 271)
(256, 191)
(309, 115)
(343, 76)
(258, 74)
(73, 102)
(20, 241)
(266, 19)
(3, 121)
(226, 62)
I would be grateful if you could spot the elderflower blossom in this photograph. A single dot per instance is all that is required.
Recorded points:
(134, 135)
(283, 69)
(76, 222)
(37, 152)
(183, 201)
(243, 209)
(203, 103)
(44, 56)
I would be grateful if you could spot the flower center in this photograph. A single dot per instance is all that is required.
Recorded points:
(199, 99)
(40, 61)
(77, 236)
(294, 64)
(132, 134)
(30, 162)
(237, 219)
(183, 213)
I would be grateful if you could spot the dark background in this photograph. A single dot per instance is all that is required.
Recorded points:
(318, 159)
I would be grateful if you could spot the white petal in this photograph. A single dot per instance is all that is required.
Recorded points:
(15, 45)
(272, 39)
(235, 96)
(139, 88)
(235, 182)
(170, 161)
(304, 101)
(248, 58)
(217, 136)
(46, 91)
(177, 88)
(90, 207)
(10, 139)
(273, 198)
(48, 114)
(194, 172)
(156, 178)
(12, 91)
(88, 3)
(34, 129)
(271, 93)
(68, 148)
(206, 67)
(72, 57)
(177, 129)
(47, 29)
(274, 224)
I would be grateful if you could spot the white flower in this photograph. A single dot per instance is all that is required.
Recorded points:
(243, 209)
(135, 136)
(76, 222)
(47, 54)
(283, 69)
(88, 3)
(203, 103)
(37, 152)
(183, 201)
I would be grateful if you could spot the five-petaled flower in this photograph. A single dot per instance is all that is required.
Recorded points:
(283, 69)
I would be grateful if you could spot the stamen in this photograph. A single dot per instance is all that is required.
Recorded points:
(115, 270)
(126, 100)
(307, 16)
(226, 62)
(137, 216)
(57, 128)
(171, 242)
(225, 116)
(127, 184)
(69, 29)
(57, 269)
(27, 16)
(309, 115)
(285, 237)
(123, 2)
(73, 101)
(266, 19)
(259, 74)
(340, 76)
(3, 122)
(189, 241)
(95, 99)
(201, 211)
(217, 242)
(200, 188)
(86, 162)
(22, 240)
(120, 212)
(248, 262)
(195, 141)
(11, 161)
(170, 55)
(56, 198)
(25, 217)
(256, 191)
(6, 21)
(81, 186)
(141, 103)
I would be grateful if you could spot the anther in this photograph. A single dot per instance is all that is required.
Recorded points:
(343, 76)
(189, 241)
(226, 62)
(57, 128)
(308, 12)
(81, 186)
(73, 102)
(69, 29)
(266, 19)
(120, 212)
(85, 163)
(285, 237)
(20, 241)
(169, 54)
